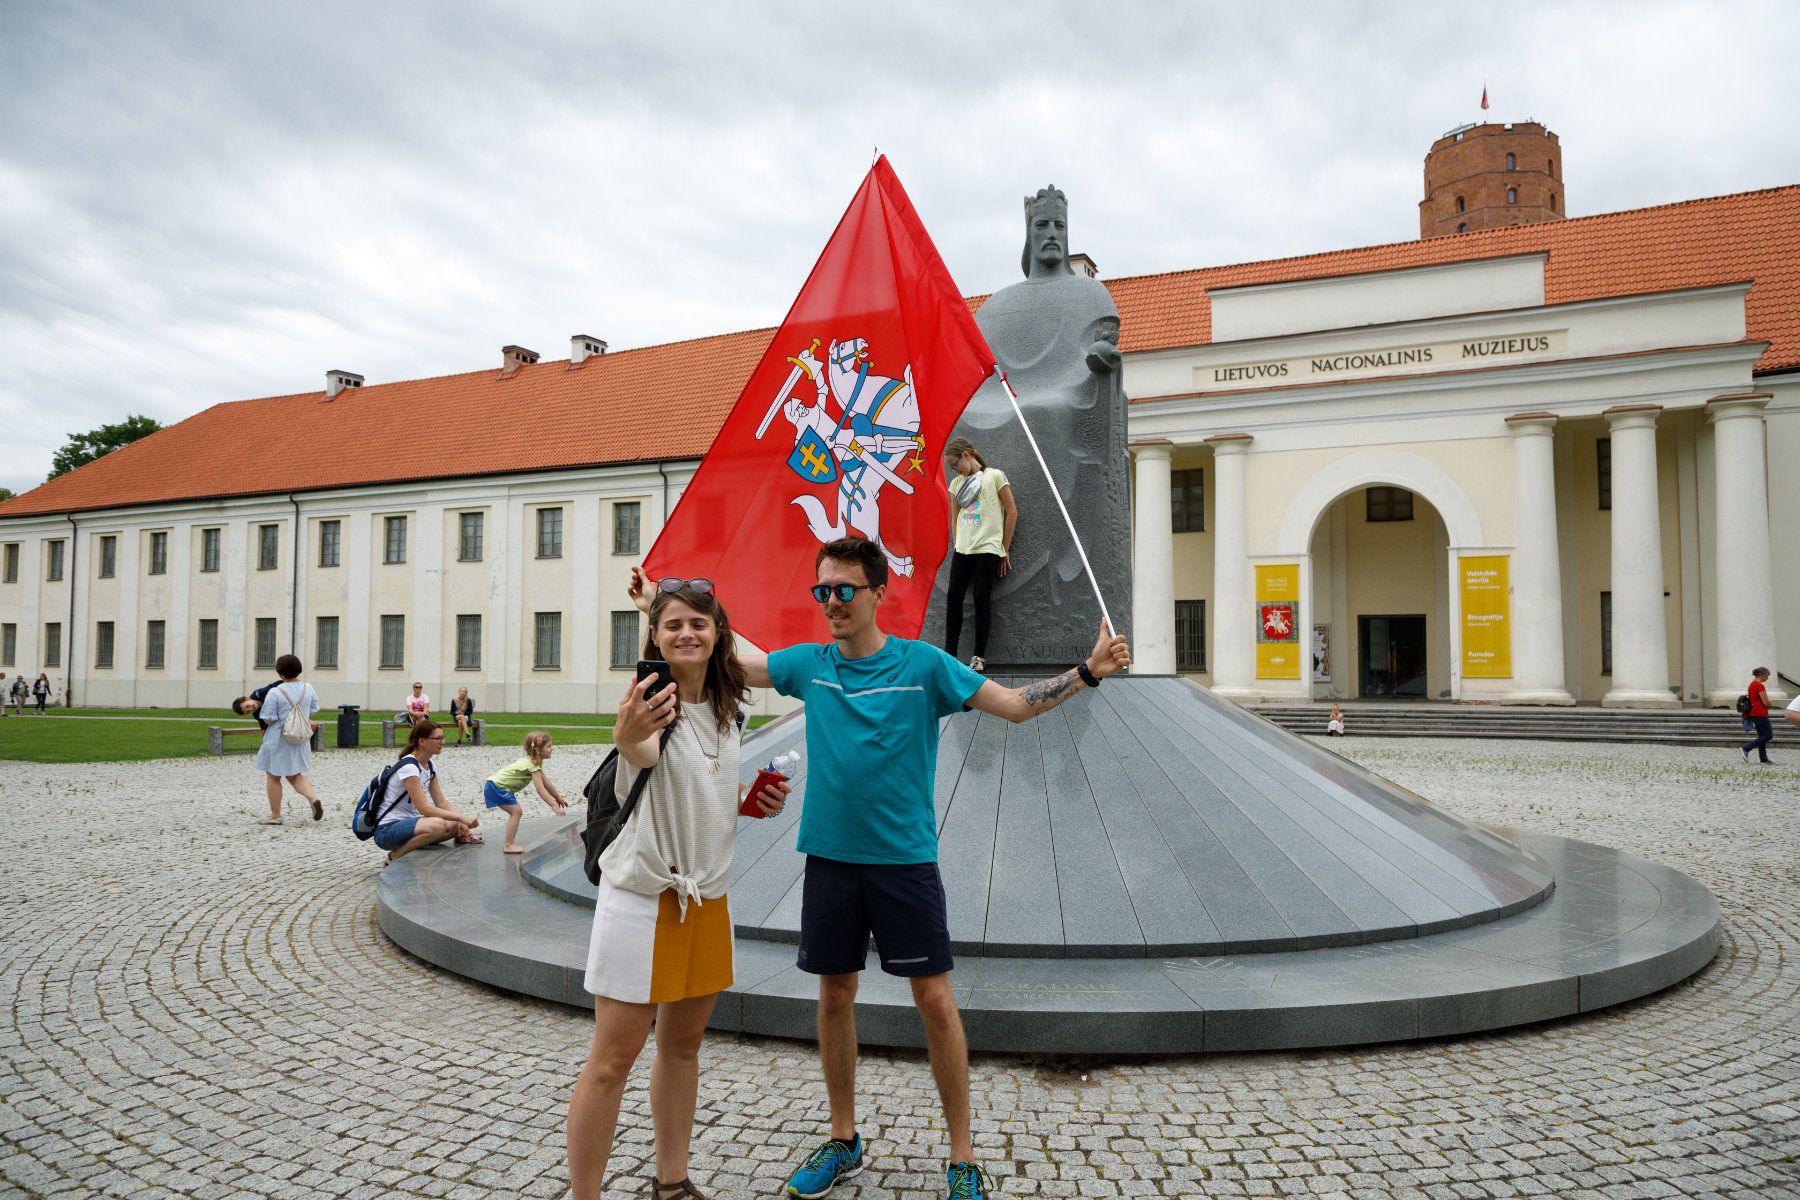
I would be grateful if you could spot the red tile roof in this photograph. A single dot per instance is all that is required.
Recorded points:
(666, 402)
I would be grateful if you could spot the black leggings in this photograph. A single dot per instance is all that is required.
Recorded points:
(980, 570)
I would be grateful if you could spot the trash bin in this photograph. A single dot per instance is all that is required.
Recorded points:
(349, 726)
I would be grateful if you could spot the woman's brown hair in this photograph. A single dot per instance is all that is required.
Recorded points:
(955, 448)
(420, 731)
(725, 680)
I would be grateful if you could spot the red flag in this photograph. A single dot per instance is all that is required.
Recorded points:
(840, 431)
(1484, 96)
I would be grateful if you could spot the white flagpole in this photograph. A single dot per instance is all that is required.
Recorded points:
(1057, 496)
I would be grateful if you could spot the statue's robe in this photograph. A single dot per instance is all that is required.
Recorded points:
(1041, 330)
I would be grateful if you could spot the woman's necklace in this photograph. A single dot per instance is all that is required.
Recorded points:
(712, 756)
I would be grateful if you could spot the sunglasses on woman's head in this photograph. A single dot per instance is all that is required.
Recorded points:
(672, 584)
(845, 592)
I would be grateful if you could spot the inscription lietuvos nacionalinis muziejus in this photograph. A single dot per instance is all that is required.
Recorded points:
(1418, 358)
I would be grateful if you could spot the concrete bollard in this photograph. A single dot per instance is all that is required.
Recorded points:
(478, 730)
(387, 734)
(318, 738)
(215, 740)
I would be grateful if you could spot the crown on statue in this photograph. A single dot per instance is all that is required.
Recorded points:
(1049, 201)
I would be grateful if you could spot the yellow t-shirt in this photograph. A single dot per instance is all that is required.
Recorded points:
(981, 524)
(514, 778)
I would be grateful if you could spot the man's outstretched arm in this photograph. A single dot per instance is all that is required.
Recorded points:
(1110, 656)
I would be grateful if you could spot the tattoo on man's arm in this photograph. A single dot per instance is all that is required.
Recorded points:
(1048, 693)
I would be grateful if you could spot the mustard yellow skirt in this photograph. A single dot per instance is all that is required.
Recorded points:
(642, 952)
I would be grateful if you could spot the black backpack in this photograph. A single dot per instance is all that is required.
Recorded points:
(606, 816)
(365, 817)
(1743, 705)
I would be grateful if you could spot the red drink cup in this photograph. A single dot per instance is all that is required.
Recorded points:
(750, 808)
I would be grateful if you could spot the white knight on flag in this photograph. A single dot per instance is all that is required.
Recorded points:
(874, 440)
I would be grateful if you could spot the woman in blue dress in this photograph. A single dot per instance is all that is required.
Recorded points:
(279, 758)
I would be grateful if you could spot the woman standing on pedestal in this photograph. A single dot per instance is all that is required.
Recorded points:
(986, 517)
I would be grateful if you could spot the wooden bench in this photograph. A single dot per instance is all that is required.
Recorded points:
(477, 731)
(216, 735)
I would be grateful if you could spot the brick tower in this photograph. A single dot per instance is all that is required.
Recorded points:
(1486, 176)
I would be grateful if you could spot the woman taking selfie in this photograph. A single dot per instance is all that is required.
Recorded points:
(662, 895)
(985, 519)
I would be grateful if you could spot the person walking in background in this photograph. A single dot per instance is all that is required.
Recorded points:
(40, 691)
(1334, 724)
(982, 543)
(1792, 712)
(1758, 718)
(19, 690)
(462, 711)
(413, 810)
(418, 707)
(502, 788)
(661, 947)
(279, 758)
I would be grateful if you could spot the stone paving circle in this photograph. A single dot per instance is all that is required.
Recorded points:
(199, 1006)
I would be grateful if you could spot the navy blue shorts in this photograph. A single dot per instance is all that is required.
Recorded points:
(902, 906)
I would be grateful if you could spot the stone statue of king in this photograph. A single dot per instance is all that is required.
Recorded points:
(1057, 337)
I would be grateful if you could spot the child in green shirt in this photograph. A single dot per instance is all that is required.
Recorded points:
(503, 786)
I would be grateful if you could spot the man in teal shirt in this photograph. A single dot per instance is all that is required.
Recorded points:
(869, 831)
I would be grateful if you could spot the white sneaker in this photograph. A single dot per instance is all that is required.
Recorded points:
(978, 664)
(1745, 753)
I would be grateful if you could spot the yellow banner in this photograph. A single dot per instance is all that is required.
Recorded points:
(1486, 616)
(1279, 646)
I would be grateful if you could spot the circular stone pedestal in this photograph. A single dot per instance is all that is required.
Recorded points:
(1154, 870)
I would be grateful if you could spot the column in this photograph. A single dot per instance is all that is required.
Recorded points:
(1537, 630)
(1640, 635)
(1233, 618)
(1152, 563)
(1746, 603)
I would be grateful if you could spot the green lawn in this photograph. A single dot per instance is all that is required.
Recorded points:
(216, 716)
(58, 739)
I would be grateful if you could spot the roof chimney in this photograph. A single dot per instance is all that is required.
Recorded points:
(1081, 264)
(337, 381)
(514, 357)
(582, 346)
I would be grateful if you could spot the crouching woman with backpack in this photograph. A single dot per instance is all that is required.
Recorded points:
(661, 943)
(413, 810)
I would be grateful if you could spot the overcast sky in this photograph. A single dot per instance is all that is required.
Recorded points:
(210, 202)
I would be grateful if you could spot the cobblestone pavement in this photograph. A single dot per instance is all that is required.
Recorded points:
(198, 1006)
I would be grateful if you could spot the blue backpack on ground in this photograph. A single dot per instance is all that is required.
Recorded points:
(365, 818)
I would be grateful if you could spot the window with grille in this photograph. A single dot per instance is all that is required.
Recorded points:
(155, 644)
(625, 639)
(1603, 470)
(53, 644)
(12, 563)
(393, 540)
(1190, 635)
(159, 554)
(468, 642)
(549, 529)
(9, 645)
(109, 556)
(1186, 503)
(268, 547)
(325, 643)
(1606, 633)
(209, 549)
(331, 543)
(56, 562)
(1389, 504)
(468, 542)
(206, 655)
(547, 651)
(393, 643)
(265, 644)
(625, 527)
(103, 644)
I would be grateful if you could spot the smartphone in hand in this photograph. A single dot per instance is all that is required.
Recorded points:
(750, 807)
(663, 673)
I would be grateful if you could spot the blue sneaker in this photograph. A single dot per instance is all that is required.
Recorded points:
(967, 1181)
(825, 1167)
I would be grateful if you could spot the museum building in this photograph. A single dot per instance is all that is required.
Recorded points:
(1527, 460)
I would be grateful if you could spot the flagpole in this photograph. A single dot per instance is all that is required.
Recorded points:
(1056, 495)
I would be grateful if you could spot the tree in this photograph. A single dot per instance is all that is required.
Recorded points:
(6, 494)
(84, 448)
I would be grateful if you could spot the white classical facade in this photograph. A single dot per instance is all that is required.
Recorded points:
(1387, 444)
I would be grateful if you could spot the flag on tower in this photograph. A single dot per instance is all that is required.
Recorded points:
(840, 431)
(1484, 97)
